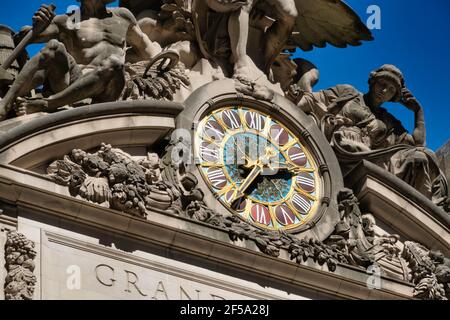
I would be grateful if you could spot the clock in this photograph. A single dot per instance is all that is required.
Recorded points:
(265, 162)
(258, 168)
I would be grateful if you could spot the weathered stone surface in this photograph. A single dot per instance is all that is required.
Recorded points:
(443, 154)
(207, 55)
(430, 271)
(20, 254)
(67, 80)
(74, 269)
(360, 129)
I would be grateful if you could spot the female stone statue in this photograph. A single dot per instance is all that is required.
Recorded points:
(359, 128)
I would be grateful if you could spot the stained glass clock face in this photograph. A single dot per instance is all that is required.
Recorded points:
(257, 168)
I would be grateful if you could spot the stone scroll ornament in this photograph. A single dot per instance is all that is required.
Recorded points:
(20, 254)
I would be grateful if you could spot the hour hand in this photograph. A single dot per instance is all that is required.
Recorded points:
(239, 193)
(248, 161)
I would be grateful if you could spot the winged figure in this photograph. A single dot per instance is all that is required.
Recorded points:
(276, 24)
(327, 21)
(242, 36)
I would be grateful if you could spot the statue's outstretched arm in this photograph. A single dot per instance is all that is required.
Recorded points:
(142, 48)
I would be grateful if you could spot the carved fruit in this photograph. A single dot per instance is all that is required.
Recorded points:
(14, 287)
(29, 264)
(158, 199)
(11, 258)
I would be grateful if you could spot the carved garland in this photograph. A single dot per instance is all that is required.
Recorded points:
(112, 178)
(430, 272)
(19, 255)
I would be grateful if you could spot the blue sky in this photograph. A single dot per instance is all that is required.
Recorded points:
(414, 36)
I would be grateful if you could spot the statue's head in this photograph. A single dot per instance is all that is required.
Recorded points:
(386, 84)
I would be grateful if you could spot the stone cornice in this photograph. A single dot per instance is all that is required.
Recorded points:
(38, 196)
(400, 206)
(148, 107)
(357, 176)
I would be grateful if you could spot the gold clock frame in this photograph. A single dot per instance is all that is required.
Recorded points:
(220, 94)
(294, 188)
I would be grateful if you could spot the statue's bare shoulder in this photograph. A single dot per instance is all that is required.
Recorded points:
(61, 21)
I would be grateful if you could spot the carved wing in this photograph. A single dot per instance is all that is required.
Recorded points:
(327, 21)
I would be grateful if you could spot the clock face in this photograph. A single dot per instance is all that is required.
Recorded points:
(257, 168)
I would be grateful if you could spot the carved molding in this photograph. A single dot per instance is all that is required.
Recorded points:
(112, 178)
(354, 242)
(19, 256)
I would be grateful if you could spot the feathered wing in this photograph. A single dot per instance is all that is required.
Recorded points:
(327, 21)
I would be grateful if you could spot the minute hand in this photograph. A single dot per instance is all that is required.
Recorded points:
(283, 166)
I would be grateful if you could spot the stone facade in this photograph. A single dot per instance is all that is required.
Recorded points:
(192, 166)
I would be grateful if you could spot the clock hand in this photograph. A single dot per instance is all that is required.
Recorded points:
(239, 193)
(258, 166)
(284, 166)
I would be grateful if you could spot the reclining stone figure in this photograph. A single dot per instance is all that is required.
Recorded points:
(359, 128)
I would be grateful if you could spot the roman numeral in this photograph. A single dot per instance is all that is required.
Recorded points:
(238, 205)
(260, 214)
(284, 216)
(231, 119)
(213, 131)
(255, 120)
(297, 156)
(209, 153)
(306, 182)
(278, 132)
(301, 204)
(217, 178)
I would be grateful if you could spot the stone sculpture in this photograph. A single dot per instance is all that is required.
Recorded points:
(430, 271)
(84, 66)
(155, 50)
(359, 128)
(284, 13)
(224, 28)
(155, 79)
(112, 178)
(82, 63)
(165, 22)
(20, 280)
